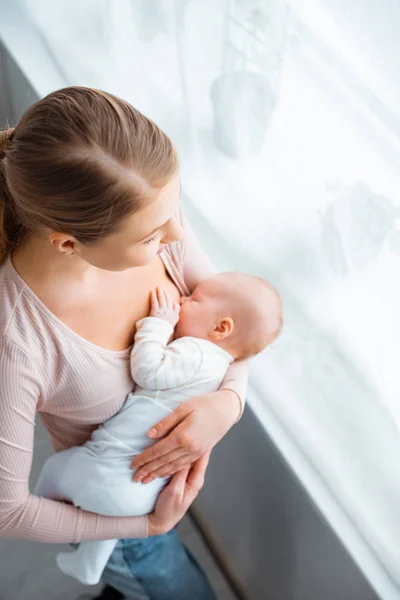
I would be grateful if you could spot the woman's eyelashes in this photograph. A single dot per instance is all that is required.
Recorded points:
(155, 237)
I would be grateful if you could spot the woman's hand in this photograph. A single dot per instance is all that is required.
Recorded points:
(193, 429)
(176, 498)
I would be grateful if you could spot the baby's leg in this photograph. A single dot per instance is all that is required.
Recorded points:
(51, 483)
(88, 561)
(61, 479)
(101, 486)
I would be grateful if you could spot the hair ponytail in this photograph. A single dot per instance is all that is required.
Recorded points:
(9, 226)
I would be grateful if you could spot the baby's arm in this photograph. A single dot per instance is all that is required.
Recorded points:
(155, 364)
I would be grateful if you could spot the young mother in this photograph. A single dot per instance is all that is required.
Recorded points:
(89, 225)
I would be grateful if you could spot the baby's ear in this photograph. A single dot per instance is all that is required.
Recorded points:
(222, 329)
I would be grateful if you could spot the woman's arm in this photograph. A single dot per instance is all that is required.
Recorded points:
(197, 266)
(196, 426)
(23, 515)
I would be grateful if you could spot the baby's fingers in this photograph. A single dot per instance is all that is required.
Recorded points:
(161, 297)
(168, 299)
(154, 301)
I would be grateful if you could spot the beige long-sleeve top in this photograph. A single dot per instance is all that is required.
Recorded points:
(75, 385)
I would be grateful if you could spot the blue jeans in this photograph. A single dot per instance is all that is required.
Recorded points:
(156, 568)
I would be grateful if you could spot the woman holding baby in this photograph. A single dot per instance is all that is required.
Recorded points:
(89, 192)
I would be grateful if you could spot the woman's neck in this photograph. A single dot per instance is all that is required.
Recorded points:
(37, 261)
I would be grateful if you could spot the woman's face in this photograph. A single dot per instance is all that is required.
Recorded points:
(141, 236)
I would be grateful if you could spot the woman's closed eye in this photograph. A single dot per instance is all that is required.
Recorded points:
(155, 237)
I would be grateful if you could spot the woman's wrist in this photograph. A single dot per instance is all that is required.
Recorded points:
(155, 527)
(151, 527)
(140, 527)
(147, 526)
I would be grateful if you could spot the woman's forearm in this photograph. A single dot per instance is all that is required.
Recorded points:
(197, 266)
(46, 520)
(236, 380)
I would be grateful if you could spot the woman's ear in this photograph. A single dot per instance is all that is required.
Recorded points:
(222, 329)
(63, 243)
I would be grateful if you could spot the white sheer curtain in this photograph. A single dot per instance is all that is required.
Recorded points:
(286, 116)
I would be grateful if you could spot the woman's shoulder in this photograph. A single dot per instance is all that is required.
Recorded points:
(15, 316)
(9, 296)
(13, 357)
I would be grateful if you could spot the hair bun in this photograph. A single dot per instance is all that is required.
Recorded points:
(5, 140)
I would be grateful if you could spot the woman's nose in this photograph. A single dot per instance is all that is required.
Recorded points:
(183, 299)
(173, 232)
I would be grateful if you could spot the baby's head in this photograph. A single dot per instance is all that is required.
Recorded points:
(240, 313)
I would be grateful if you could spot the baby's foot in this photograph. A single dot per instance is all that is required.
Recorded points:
(70, 564)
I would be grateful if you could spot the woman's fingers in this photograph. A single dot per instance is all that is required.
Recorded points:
(198, 471)
(168, 423)
(178, 482)
(171, 505)
(169, 468)
(151, 467)
(185, 493)
(156, 451)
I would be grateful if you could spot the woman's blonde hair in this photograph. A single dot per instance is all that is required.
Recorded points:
(79, 161)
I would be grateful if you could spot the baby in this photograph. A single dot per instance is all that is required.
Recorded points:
(230, 316)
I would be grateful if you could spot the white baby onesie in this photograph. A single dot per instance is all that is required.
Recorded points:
(97, 476)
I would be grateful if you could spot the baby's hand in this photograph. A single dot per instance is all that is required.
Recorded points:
(163, 307)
